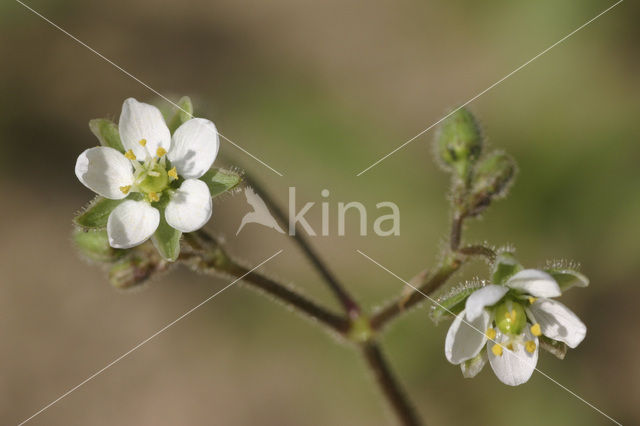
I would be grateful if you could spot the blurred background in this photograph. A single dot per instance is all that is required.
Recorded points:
(319, 91)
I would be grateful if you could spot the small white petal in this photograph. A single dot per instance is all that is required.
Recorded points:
(190, 207)
(132, 223)
(534, 282)
(465, 339)
(143, 121)
(483, 297)
(104, 170)
(515, 367)
(558, 322)
(194, 147)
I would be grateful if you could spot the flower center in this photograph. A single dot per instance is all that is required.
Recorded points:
(510, 317)
(151, 176)
(154, 180)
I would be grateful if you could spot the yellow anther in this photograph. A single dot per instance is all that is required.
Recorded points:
(143, 142)
(153, 196)
(161, 151)
(530, 346)
(535, 329)
(510, 347)
(173, 173)
(497, 350)
(130, 155)
(125, 189)
(513, 315)
(532, 299)
(491, 333)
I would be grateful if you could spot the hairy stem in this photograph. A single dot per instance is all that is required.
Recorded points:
(348, 302)
(207, 256)
(478, 250)
(429, 283)
(289, 297)
(389, 385)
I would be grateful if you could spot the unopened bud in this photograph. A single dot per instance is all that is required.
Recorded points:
(459, 141)
(491, 180)
(94, 245)
(134, 271)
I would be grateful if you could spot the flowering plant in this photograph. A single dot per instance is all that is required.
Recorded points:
(155, 183)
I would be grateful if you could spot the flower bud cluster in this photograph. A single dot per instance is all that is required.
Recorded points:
(478, 177)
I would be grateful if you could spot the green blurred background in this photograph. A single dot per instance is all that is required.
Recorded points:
(318, 90)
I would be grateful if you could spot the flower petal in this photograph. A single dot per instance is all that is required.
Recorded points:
(104, 170)
(465, 339)
(485, 296)
(190, 207)
(143, 121)
(132, 223)
(515, 367)
(558, 322)
(534, 282)
(194, 147)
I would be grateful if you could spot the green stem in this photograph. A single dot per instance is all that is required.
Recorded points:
(349, 304)
(427, 286)
(389, 385)
(207, 256)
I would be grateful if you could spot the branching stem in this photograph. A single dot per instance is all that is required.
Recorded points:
(346, 300)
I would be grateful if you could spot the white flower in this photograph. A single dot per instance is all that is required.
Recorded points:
(508, 319)
(157, 173)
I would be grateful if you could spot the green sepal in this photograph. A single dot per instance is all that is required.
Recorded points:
(471, 367)
(107, 133)
(453, 302)
(94, 244)
(567, 278)
(504, 267)
(166, 238)
(96, 214)
(554, 347)
(220, 181)
(182, 114)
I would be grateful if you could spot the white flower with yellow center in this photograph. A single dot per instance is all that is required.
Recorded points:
(509, 319)
(157, 172)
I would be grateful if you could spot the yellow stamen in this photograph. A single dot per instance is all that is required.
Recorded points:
(530, 346)
(535, 329)
(130, 155)
(491, 333)
(513, 315)
(173, 173)
(532, 299)
(510, 346)
(143, 142)
(125, 189)
(153, 196)
(497, 350)
(161, 151)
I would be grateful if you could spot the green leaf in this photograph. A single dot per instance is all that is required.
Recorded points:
(107, 133)
(567, 278)
(220, 181)
(504, 267)
(94, 244)
(96, 214)
(453, 302)
(181, 115)
(167, 240)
